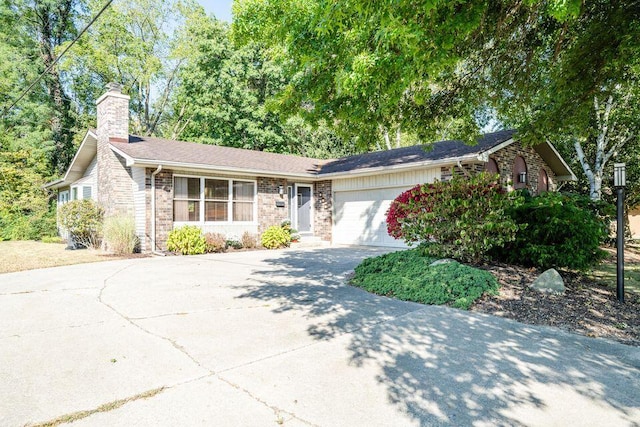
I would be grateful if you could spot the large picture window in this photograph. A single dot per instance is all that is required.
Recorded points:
(213, 200)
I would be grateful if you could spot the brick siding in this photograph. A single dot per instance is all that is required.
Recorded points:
(268, 194)
(505, 158)
(323, 207)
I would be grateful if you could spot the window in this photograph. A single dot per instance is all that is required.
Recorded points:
(74, 193)
(243, 201)
(216, 199)
(213, 200)
(86, 192)
(186, 199)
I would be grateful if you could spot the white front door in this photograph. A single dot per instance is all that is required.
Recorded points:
(303, 208)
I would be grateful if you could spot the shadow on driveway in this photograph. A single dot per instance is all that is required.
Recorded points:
(452, 367)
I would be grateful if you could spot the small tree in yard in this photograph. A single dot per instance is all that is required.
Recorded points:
(83, 220)
(463, 218)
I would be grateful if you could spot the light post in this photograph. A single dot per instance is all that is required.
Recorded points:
(619, 181)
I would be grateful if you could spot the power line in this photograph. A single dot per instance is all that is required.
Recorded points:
(27, 90)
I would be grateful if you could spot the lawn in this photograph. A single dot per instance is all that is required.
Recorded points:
(28, 255)
(605, 273)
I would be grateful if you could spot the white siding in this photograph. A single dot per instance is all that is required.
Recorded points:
(361, 204)
(387, 180)
(139, 204)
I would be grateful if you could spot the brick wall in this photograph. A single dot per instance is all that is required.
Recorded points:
(268, 194)
(113, 176)
(323, 205)
(164, 207)
(505, 159)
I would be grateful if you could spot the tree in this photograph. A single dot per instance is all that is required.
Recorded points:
(130, 44)
(224, 91)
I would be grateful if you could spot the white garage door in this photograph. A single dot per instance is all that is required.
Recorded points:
(360, 217)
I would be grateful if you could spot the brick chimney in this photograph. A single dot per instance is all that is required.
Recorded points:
(113, 176)
(113, 114)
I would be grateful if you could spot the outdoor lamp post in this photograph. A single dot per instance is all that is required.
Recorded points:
(619, 181)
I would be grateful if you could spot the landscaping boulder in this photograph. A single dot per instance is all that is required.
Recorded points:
(442, 261)
(549, 282)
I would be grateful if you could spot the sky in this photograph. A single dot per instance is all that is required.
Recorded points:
(220, 8)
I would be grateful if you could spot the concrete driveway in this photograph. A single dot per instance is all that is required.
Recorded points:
(276, 337)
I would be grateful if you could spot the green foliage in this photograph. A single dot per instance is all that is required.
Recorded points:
(215, 242)
(188, 240)
(463, 218)
(558, 230)
(407, 275)
(83, 220)
(235, 244)
(275, 237)
(119, 234)
(249, 240)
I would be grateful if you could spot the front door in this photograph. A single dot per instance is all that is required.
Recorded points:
(303, 196)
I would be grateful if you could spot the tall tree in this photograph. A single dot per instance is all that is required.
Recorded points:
(130, 44)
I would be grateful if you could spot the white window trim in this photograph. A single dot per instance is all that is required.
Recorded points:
(295, 207)
(230, 220)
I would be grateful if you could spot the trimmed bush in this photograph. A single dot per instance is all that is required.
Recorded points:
(275, 237)
(83, 220)
(120, 234)
(408, 275)
(234, 243)
(249, 241)
(215, 242)
(463, 218)
(558, 230)
(188, 240)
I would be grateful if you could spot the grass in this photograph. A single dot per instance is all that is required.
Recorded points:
(409, 276)
(606, 274)
(28, 255)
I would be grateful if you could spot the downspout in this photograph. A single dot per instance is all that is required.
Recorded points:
(153, 211)
(464, 171)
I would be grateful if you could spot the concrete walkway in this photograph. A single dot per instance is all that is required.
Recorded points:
(275, 337)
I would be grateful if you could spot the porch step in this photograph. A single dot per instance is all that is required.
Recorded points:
(309, 242)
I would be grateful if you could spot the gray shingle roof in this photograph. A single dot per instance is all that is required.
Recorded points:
(163, 150)
(152, 149)
(417, 153)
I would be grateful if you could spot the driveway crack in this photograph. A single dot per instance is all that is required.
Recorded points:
(143, 329)
(277, 411)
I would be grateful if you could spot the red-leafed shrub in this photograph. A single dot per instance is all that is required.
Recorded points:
(463, 218)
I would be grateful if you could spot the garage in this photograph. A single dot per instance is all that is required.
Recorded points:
(360, 217)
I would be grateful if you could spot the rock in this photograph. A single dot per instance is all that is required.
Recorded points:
(442, 261)
(549, 282)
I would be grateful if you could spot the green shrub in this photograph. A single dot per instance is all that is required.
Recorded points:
(408, 275)
(215, 242)
(119, 234)
(558, 230)
(187, 240)
(463, 218)
(249, 240)
(235, 244)
(275, 237)
(83, 220)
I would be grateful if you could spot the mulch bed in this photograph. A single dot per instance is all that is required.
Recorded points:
(586, 308)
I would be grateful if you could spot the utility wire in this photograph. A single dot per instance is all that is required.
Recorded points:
(27, 90)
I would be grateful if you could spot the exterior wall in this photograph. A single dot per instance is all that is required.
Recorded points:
(268, 194)
(113, 176)
(634, 222)
(164, 208)
(323, 208)
(139, 200)
(505, 159)
(387, 180)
